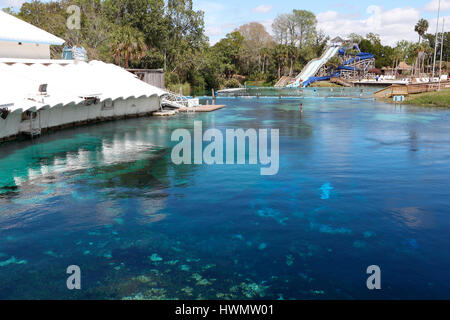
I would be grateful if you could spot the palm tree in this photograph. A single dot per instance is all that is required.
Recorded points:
(333, 63)
(421, 28)
(128, 44)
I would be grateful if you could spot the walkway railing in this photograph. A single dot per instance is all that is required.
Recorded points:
(174, 100)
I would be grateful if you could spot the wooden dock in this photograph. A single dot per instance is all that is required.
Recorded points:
(406, 89)
(203, 108)
(341, 81)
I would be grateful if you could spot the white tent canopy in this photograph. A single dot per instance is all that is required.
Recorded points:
(15, 30)
(68, 82)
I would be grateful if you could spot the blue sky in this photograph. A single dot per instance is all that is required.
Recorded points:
(391, 19)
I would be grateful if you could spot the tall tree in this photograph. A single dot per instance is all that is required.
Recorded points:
(421, 28)
(305, 22)
(128, 44)
(256, 38)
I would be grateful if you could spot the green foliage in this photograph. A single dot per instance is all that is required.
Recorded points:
(383, 54)
(185, 88)
(232, 83)
(334, 62)
(421, 27)
(127, 44)
(170, 34)
(435, 99)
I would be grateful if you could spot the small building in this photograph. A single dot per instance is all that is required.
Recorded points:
(19, 39)
(338, 41)
(154, 77)
(403, 68)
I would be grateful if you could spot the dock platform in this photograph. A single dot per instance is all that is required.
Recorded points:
(203, 108)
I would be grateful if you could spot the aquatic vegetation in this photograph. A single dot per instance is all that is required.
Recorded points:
(155, 258)
(359, 244)
(368, 234)
(262, 246)
(290, 260)
(185, 267)
(272, 213)
(253, 290)
(12, 260)
(328, 229)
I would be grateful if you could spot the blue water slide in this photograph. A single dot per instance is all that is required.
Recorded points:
(347, 68)
(313, 66)
(314, 79)
(359, 57)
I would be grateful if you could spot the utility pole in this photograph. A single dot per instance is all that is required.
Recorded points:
(436, 39)
(442, 49)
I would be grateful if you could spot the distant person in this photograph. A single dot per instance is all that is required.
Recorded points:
(377, 78)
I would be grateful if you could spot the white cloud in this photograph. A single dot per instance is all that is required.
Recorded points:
(434, 5)
(16, 4)
(262, 9)
(327, 16)
(392, 25)
(213, 31)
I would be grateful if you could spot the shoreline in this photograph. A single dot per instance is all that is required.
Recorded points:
(435, 99)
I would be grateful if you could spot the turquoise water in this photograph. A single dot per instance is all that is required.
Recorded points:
(360, 183)
(309, 92)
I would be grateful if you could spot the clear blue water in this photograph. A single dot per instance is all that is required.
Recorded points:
(360, 183)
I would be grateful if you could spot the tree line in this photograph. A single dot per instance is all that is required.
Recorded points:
(170, 34)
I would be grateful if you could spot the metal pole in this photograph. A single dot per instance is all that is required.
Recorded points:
(436, 39)
(442, 47)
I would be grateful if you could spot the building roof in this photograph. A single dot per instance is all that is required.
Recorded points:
(337, 40)
(16, 30)
(404, 66)
(67, 83)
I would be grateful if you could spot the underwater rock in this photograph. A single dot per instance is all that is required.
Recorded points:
(12, 260)
(253, 290)
(119, 221)
(368, 234)
(274, 214)
(200, 280)
(208, 266)
(327, 229)
(262, 246)
(318, 292)
(290, 260)
(359, 244)
(188, 290)
(155, 258)
(51, 254)
(143, 279)
(238, 236)
(185, 267)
